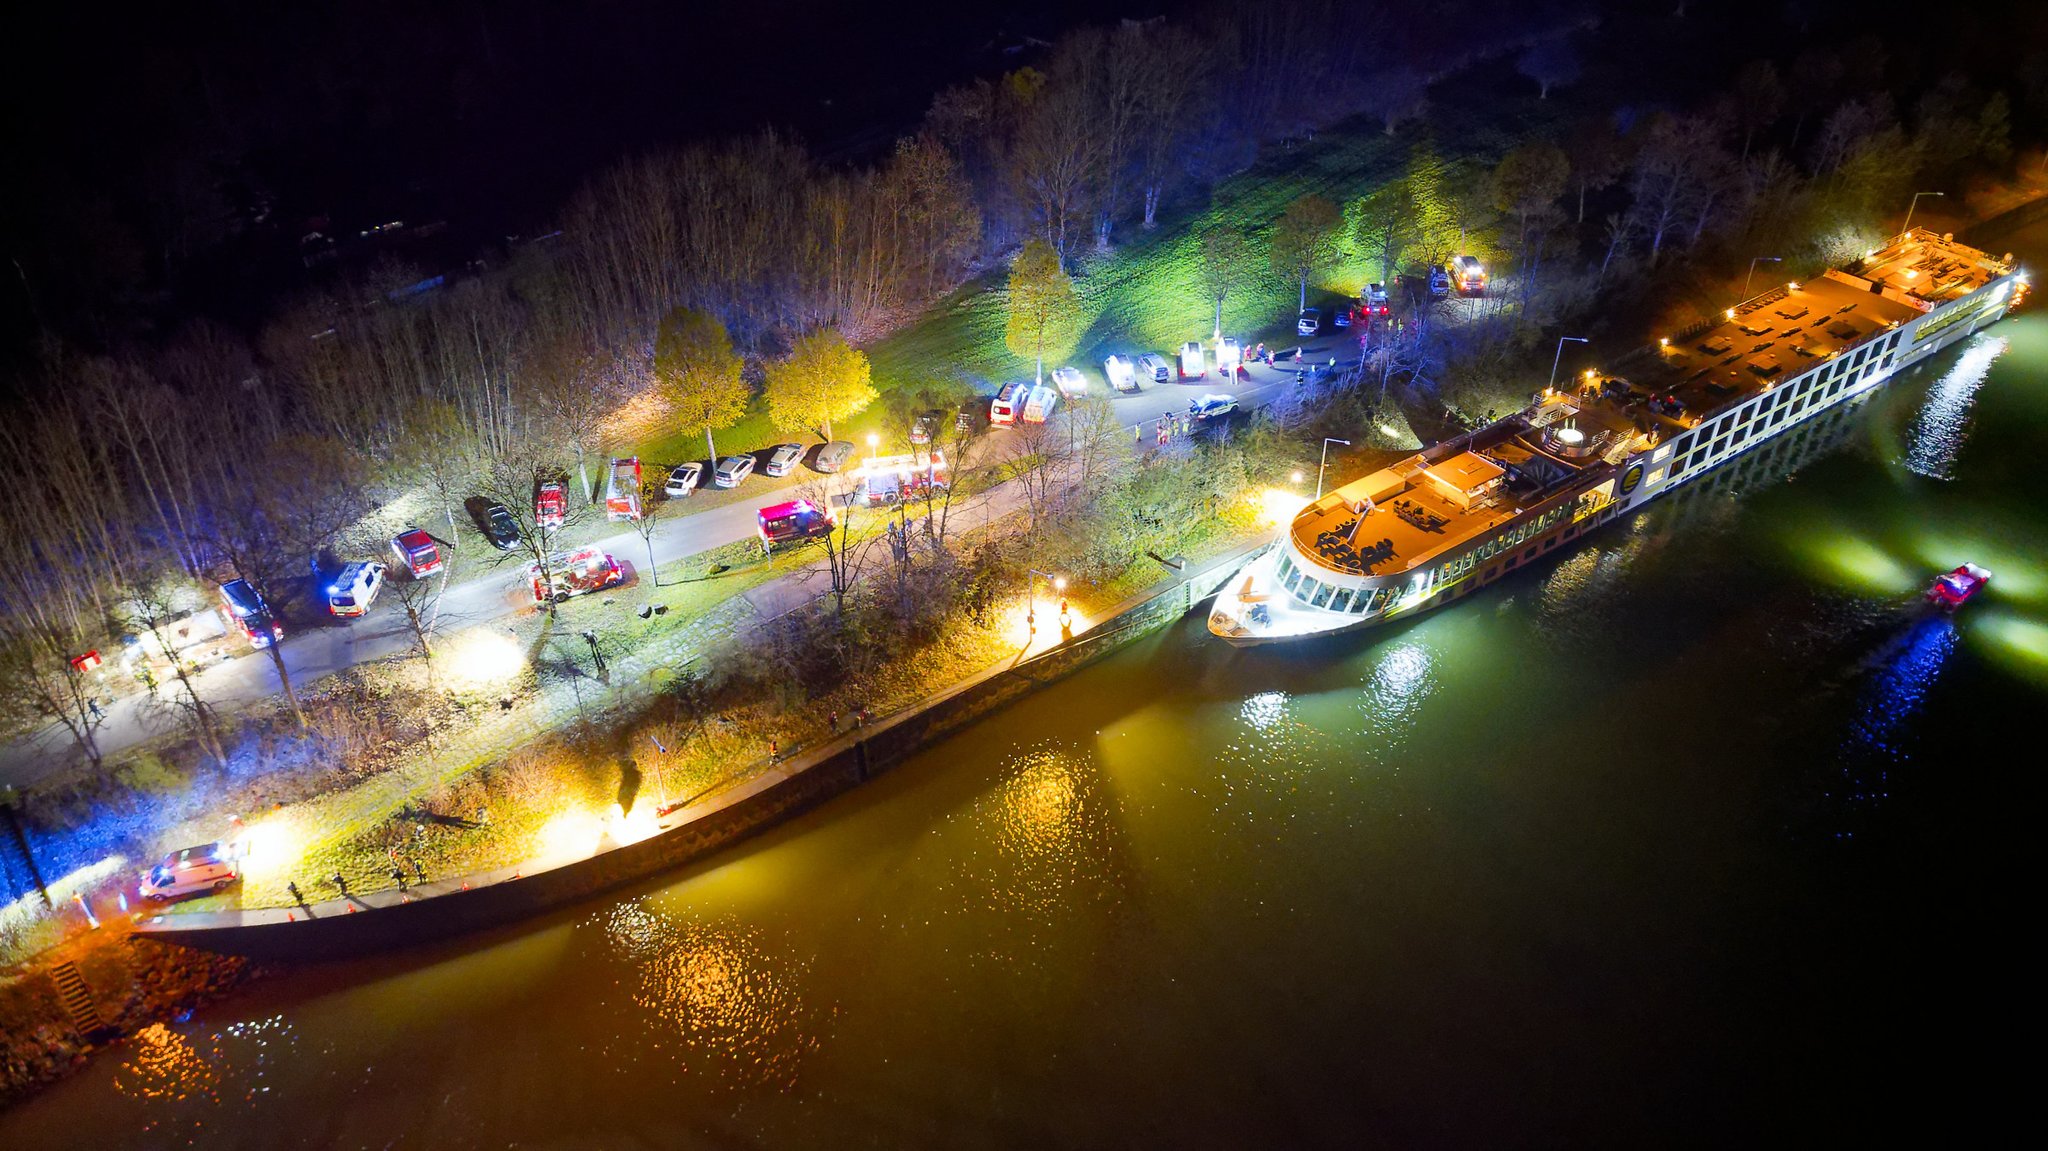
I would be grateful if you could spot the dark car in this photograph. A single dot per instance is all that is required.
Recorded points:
(495, 521)
(925, 426)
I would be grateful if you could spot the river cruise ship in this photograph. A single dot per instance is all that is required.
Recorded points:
(1451, 518)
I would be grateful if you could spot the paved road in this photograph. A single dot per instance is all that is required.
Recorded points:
(313, 652)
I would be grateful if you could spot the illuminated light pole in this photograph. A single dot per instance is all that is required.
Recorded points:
(1327, 441)
(1561, 342)
(1059, 584)
(1908, 225)
(874, 442)
(1752, 271)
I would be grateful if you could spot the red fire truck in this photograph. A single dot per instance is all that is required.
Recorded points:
(580, 572)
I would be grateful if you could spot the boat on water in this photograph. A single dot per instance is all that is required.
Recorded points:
(1952, 590)
(1433, 527)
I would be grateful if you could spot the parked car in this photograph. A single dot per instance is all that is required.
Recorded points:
(580, 572)
(1469, 275)
(682, 480)
(495, 521)
(1039, 407)
(1070, 382)
(1229, 354)
(1008, 404)
(550, 504)
(1342, 316)
(1376, 303)
(1121, 373)
(355, 589)
(416, 552)
(1439, 282)
(783, 458)
(251, 613)
(832, 456)
(189, 871)
(1213, 406)
(731, 470)
(925, 426)
(973, 414)
(1309, 322)
(1153, 367)
(1194, 363)
(793, 521)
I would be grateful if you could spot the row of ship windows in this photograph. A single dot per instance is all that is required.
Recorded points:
(1761, 416)
(1315, 593)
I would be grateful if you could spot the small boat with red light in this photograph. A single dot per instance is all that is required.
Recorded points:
(1954, 589)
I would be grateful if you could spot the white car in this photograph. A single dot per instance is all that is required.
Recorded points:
(731, 470)
(1121, 374)
(209, 867)
(1070, 382)
(1194, 362)
(1213, 406)
(356, 588)
(682, 480)
(783, 458)
(1152, 366)
(1310, 322)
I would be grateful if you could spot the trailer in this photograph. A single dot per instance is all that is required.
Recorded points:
(622, 490)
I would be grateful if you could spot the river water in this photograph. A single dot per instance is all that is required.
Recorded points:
(1705, 832)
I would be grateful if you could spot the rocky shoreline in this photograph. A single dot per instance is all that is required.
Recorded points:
(134, 982)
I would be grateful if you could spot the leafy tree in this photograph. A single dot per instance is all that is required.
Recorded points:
(1551, 63)
(699, 373)
(1304, 238)
(1383, 222)
(823, 379)
(1225, 253)
(1045, 312)
(1528, 181)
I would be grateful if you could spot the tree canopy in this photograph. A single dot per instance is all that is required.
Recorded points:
(1045, 312)
(823, 379)
(1304, 238)
(699, 373)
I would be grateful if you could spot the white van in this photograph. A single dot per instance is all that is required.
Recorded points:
(209, 867)
(1121, 374)
(1043, 400)
(1008, 404)
(1194, 363)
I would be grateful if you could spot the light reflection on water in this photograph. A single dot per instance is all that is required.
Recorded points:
(1872, 749)
(720, 998)
(191, 1079)
(1945, 418)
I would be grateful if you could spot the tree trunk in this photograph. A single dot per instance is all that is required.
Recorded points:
(709, 446)
(653, 569)
(1151, 205)
(284, 680)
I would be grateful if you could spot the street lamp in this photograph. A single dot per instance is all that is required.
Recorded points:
(1327, 441)
(874, 441)
(1908, 226)
(1752, 271)
(1059, 584)
(1561, 342)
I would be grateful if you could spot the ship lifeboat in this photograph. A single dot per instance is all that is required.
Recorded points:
(1954, 589)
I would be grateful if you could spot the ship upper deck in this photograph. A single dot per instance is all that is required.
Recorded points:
(1404, 515)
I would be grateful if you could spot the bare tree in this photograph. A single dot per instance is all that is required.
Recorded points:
(653, 498)
(845, 554)
(419, 602)
(516, 479)
(156, 611)
(1226, 256)
(275, 513)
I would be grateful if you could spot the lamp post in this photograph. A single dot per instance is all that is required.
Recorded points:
(1327, 441)
(1561, 342)
(1059, 583)
(1752, 271)
(874, 442)
(1908, 225)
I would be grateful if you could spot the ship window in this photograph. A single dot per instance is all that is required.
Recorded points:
(1342, 601)
(1293, 578)
(1323, 593)
(1656, 477)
